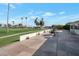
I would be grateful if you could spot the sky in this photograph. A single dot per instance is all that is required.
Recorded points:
(53, 13)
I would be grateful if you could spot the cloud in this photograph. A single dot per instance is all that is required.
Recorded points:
(33, 17)
(30, 12)
(62, 12)
(12, 6)
(48, 14)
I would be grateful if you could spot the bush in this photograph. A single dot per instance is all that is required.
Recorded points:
(59, 26)
(66, 27)
(52, 31)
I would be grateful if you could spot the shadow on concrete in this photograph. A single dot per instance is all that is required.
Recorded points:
(63, 44)
(15, 40)
(48, 48)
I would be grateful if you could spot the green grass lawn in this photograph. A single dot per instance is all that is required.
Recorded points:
(16, 30)
(9, 40)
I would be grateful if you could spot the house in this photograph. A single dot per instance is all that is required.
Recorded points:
(74, 27)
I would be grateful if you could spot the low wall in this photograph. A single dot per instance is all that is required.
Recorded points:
(76, 31)
(72, 30)
(27, 36)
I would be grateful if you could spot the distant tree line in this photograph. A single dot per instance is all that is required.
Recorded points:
(12, 26)
(66, 26)
(38, 23)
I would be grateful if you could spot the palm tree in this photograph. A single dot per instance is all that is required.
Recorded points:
(22, 21)
(13, 23)
(26, 21)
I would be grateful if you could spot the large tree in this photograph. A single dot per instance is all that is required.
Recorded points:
(39, 23)
(0, 25)
(9, 25)
(20, 25)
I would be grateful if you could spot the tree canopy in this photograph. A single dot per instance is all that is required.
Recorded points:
(39, 23)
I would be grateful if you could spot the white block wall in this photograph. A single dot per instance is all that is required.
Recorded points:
(24, 37)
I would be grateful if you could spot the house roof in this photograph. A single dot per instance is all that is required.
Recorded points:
(73, 23)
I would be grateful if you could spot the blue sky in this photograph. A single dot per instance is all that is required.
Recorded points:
(53, 13)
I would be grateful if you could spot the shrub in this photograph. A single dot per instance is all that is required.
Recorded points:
(52, 31)
(59, 26)
(66, 27)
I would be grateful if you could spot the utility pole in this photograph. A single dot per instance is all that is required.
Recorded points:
(7, 27)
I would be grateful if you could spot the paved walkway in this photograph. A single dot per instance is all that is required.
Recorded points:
(24, 48)
(63, 44)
